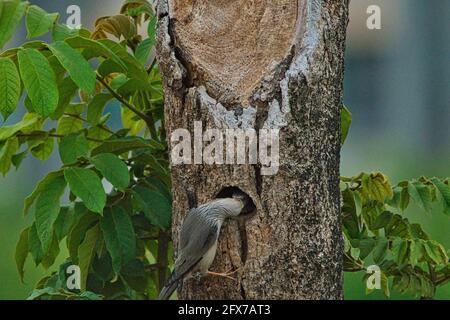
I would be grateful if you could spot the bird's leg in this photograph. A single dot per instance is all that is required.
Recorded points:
(224, 274)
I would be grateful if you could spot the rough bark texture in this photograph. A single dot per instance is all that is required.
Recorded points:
(292, 247)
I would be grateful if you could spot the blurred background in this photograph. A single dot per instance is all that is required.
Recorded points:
(397, 85)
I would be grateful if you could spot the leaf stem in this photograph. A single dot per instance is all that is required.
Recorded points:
(100, 126)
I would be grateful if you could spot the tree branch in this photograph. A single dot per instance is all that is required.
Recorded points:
(148, 120)
(146, 100)
(54, 135)
(163, 244)
(102, 127)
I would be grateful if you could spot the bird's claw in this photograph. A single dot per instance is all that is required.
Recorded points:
(224, 274)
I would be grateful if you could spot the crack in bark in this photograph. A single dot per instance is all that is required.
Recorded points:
(244, 242)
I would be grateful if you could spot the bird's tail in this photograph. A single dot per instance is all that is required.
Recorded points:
(167, 291)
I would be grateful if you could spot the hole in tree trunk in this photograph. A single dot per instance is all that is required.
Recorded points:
(227, 192)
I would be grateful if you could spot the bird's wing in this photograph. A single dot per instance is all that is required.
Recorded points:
(197, 237)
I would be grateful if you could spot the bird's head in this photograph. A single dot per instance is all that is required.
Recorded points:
(240, 196)
(248, 205)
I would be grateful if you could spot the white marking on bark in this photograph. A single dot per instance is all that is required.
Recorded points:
(223, 118)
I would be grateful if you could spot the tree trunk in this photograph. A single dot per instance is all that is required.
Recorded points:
(262, 65)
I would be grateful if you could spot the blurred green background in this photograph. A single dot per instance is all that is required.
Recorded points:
(396, 85)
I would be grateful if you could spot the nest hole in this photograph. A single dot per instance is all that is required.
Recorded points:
(228, 192)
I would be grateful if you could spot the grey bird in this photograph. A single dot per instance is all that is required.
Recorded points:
(198, 239)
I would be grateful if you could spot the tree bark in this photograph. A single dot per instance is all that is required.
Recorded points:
(262, 64)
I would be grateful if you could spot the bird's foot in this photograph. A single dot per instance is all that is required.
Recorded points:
(227, 274)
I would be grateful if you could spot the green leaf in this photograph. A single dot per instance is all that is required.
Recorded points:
(78, 232)
(119, 146)
(151, 29)
(382, 220)
(97, 134)
(10, 89)
(134, 68)
(118, 25)
(11, 14)
(120, 239)
(75, 109)
(67, 90)
(113, 169)
(86, 253)
(118, 81)
(421, 195)
(397, 191)
(72, 147)
(50, 257)
(385, 285)
(136, 7)
(156, 207)
(7, 152)
(63, 223)
(86, 185)
(134, 275)
(415, 253)
(427, 288)
(366, 246)
(61, 32)
(96, 49)
(346, 121)
(47, 209)
(131, 121)
(41, 186)
(29, 120)
(34, 245)
(380, 186)
(68, 125)
(109, 66)
(143, 50)
(397, 226)
(38, 21)
(96, 107)
(400, 250)
(22, 252)
(417, 232)
(444, 194)
(58, 69)
(349, 217)
(39, 80)
(404, 199)
(436, 252)
(18, 158)
(130, 86)
(380, 250)
(44, 149)
(78, 68)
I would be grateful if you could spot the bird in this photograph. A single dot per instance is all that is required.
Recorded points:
(198, 239)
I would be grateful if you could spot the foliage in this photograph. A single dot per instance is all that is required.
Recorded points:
(377, 233)
(120, 238)
(69, 86)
